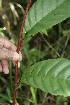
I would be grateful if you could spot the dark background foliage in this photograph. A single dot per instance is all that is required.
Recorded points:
(53, 43)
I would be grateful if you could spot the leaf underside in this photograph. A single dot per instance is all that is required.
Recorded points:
(44, 14)
(51, 76)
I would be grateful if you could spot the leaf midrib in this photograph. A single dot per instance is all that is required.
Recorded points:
(45, 16)
(30, 76)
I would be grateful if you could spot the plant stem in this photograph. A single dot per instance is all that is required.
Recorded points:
(33, 95)
(10, 67)
(18, 49)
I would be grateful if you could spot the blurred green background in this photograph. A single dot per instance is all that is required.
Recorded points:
(52, 43)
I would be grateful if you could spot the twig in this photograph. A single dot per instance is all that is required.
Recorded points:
(65, 46)
(18, 48)
(44, 99)
(50, 46)
(66, 34)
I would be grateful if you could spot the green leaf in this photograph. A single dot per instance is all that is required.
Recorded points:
(44, 14)
(51, 76)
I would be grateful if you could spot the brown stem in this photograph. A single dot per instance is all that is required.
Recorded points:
(18, 49)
